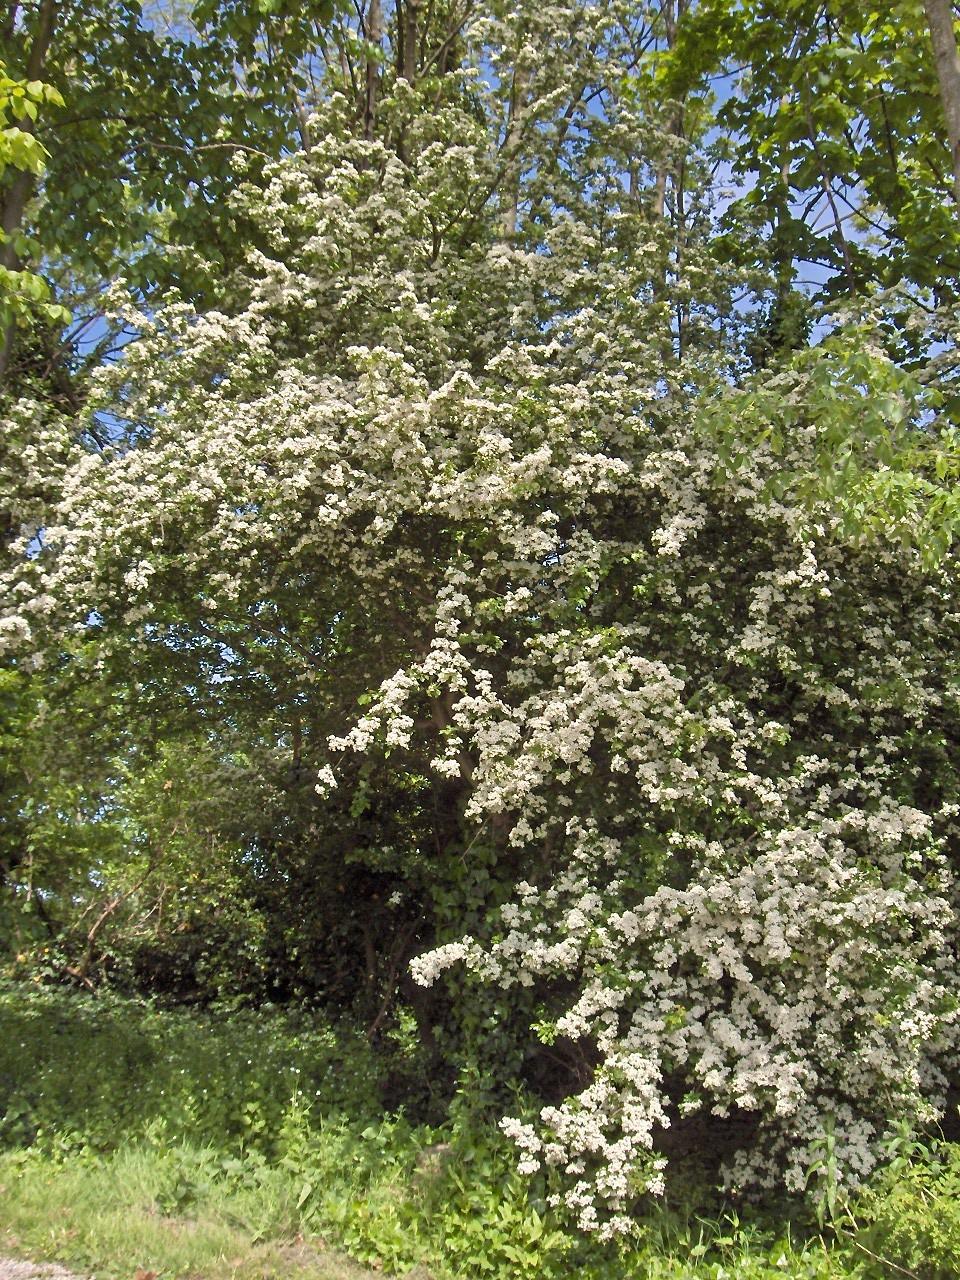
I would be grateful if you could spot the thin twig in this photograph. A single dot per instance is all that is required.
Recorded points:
(886, 1262)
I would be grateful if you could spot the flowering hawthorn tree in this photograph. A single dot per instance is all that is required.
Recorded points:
(691, 743)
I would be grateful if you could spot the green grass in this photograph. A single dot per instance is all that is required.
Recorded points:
(209, 1146)
(186, 1211)
(106, 1215)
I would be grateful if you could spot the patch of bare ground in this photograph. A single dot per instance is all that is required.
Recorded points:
(299, 1260)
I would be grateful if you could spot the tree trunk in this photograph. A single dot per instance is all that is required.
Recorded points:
(411, 39)
(672, 11)
(944, 40)
(10, 22)
(373, 33)
(511, 148)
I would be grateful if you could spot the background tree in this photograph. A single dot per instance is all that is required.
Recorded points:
(140, 160)
(839, 145)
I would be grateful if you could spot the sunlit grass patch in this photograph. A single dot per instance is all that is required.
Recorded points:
(143, 1209)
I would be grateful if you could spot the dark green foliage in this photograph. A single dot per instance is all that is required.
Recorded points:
(158, 105)
(101, 1068)
(910, 1216)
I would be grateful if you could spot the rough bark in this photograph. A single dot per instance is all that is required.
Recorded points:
(374, 33)
(411, 39)
(944, 41)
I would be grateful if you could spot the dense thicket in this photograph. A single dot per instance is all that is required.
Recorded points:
(512, 593)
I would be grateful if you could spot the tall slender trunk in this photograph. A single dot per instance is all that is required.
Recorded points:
(411, 39)
(511, 148)
(374, 34)
(944, 40)
(672, 11)
(10, 21)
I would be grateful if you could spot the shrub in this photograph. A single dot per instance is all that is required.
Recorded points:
(105, 1068)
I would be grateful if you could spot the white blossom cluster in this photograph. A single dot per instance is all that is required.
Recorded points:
(462, 477)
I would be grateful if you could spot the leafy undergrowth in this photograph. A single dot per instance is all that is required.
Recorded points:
(107, 1067)
(192, 1211)
(191, 1145)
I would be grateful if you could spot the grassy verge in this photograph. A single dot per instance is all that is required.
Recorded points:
(104, 1216)
(196, 1146)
